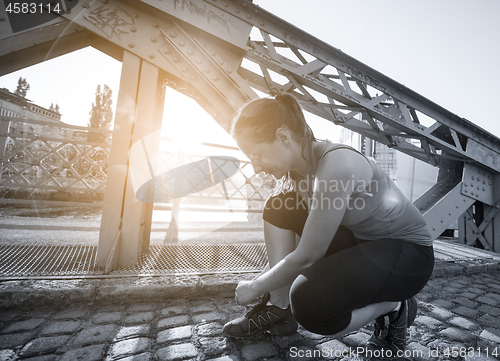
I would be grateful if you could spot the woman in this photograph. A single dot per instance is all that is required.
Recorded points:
(345, 247)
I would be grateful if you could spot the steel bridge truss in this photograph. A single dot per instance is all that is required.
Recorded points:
(43, 156)
(223, 53)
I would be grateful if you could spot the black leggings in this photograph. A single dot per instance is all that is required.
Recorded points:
(353, 274)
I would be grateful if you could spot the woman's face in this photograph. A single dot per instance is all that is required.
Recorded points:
(268, 157)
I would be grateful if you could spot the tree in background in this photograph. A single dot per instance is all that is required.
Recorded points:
(22, 87)
(94, 166)
(101, 114)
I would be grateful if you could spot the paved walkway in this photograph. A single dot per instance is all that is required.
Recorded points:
(458, 319)
(144, 318)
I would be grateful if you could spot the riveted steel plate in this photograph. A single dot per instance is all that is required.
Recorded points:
(478, 184)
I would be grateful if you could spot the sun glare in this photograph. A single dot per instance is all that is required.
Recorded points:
(187, 123)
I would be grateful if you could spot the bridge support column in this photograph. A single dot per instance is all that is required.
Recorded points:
(479, 226)
(126, 221)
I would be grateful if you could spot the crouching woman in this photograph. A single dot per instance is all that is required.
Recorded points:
(345, 246)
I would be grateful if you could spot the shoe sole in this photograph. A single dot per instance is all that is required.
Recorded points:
(279, 329)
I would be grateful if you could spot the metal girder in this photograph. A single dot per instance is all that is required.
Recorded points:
(207, 66)
(29, 47)
(478, 226)
(399, 114)
(447, 209)
(199, 64)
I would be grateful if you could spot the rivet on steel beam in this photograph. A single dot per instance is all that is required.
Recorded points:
(327, 58)
(190, 52)
(249, 16)
(478, 179)
(472, 177)
(155, 25)
(206, 70)
(132, 29)
(183, 68)
(166, 51)
(465, 184)
(225, 4)
(465, 191)
(151, 56)
(261, 23)
(182, 43)
(192, 77)
(212, 52)
(221, 62)
(484, 189)
(135, 15)
(203, 43)
(237, 11)
(257, 11)
(229, 71)
(477, 187)
(153, 39)
(175, 59)
(245, 5)
(215, 78)
(173, 34)
(131, 45)
(198, 61)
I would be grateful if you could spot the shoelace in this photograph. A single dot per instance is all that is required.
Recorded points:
(256, 309)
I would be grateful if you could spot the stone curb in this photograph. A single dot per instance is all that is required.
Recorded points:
(107, 290)
(62, 292)
(454, 268)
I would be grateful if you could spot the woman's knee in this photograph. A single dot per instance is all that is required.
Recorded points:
(283, 202)
(286, 211)
(313, 312)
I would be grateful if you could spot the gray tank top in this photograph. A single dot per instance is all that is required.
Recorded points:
(380, 210)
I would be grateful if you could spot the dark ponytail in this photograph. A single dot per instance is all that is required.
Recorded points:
(259, 120)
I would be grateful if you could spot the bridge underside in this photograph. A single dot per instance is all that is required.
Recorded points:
(221, 52)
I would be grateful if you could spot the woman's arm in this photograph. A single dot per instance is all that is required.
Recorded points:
(337, 177)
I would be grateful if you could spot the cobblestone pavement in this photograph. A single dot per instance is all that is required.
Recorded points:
(458, 319)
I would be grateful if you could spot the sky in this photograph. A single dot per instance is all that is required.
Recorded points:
(446, 50)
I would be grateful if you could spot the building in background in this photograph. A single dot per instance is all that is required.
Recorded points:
(13, 105)
(385, 157)
(19, 150)
(412, 176)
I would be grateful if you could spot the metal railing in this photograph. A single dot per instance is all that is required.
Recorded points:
(52, 163)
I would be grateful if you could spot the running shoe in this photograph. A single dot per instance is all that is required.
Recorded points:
(391, 329)
(262, 318)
